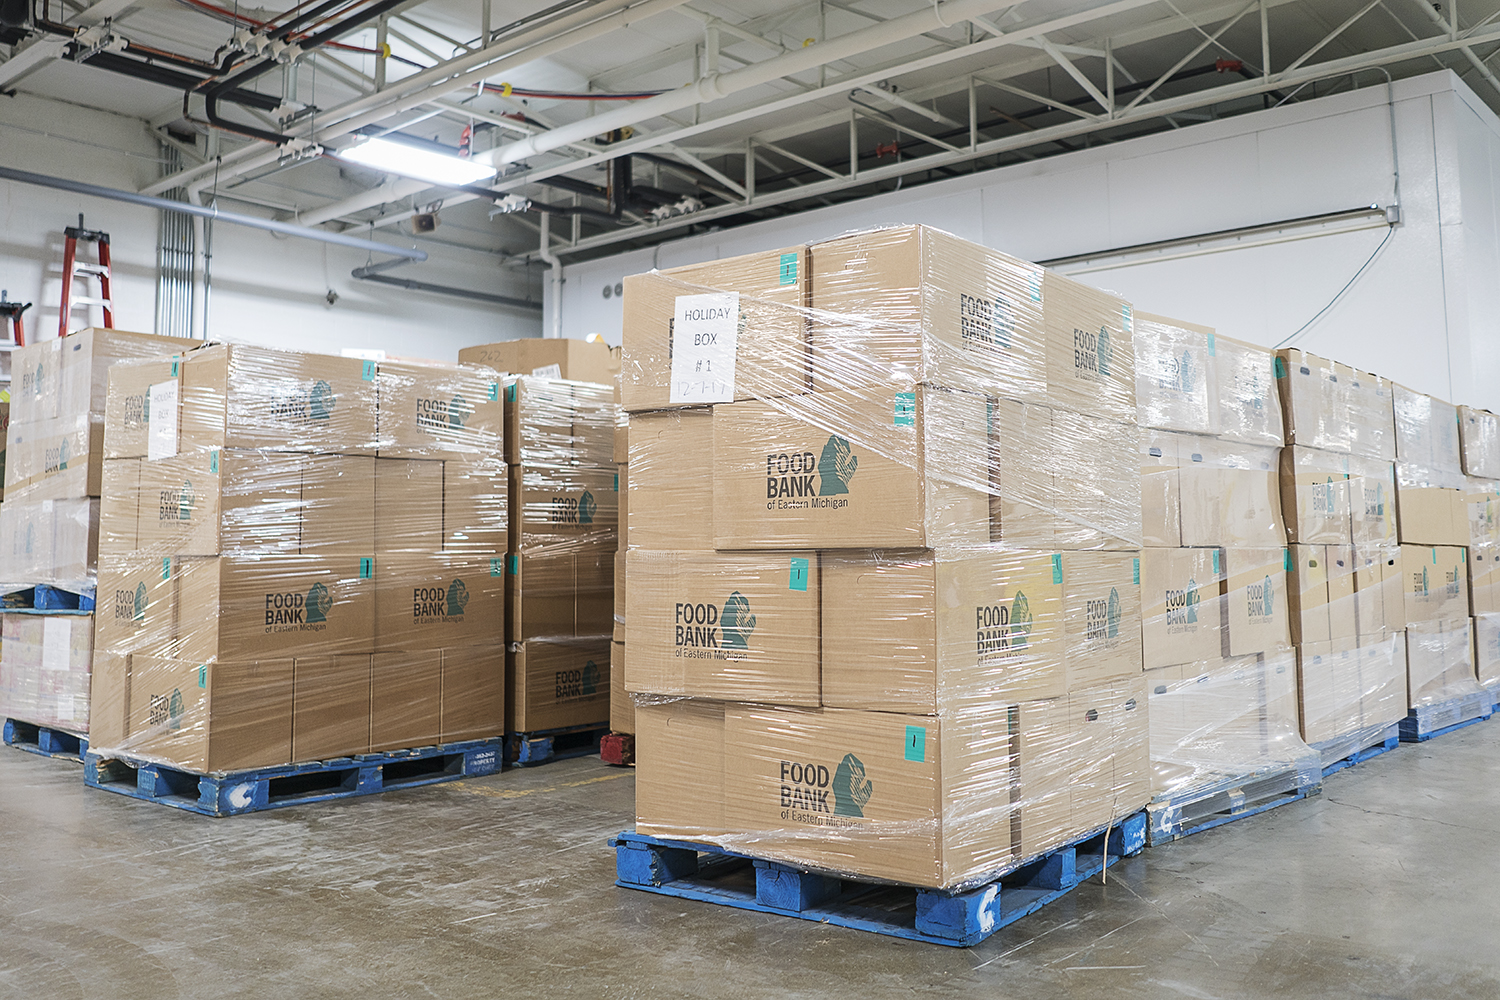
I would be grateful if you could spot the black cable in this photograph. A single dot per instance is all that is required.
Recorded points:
(1390, 230)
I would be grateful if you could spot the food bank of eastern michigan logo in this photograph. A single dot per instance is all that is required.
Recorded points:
(443, 414)
(571, 684)
(316, 402)
(1004, 628)
(436, 604)
(177, 505)
(295, 612)
(706, 630)
(1092, 353)
(985, 323)
(790, 475)
(1182, 605)
(566, 510)
(807, 787)
(1259, 599)
(1102, 617)
(166, 710)
(130, 605)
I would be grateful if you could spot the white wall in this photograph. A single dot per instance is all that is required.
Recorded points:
(1427, 311)
(266, 289)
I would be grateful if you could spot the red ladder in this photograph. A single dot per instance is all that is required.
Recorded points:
(10, 313)
(74, 268)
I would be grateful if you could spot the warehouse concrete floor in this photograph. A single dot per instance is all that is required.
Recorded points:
(1384, 887)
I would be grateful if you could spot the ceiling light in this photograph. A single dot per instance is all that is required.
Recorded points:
(422, 164)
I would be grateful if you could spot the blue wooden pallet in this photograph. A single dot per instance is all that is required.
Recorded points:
(1427, 721)
(46, 598)
(959, 919)
(1234, 797)
(1387, 740)
(235, 792)
(543, 746)
(44, 740)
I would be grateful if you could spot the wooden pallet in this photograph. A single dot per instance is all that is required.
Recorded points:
(543, 746)
(233, 793)
(1232, 797)
(44, 740)
(45, 598)
(1385, 741)
(618, 749)
(959, 919)
(1427, 721)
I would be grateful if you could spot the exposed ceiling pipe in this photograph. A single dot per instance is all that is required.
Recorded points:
(373, 272)
(217, 215)
(1445, 27)
(554, 277)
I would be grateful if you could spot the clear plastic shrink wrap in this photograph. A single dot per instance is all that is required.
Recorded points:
(883, 612)
(302, 557)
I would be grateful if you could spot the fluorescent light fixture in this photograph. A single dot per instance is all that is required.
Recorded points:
(422, 164)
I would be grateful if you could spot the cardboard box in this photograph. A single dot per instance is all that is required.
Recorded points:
(563, 357)
(1434, 581)
(1111, 742)
(622, 487)
(408, 505)
(1382, 680)
(1482, 498)
(552, 684)
(1181, 605)
(1161, 490)
(473, 706)
(1427, 432)
(56, 459)
(929, 634)
(1430, 515)
(1098, 482)
(1439, 661)
(127, 406)
(1245, 393)
(49, 541)
(1315, 496)
(1372, 502)
(435, 600)
(1329, 686)
(1343, 616)
(1024, 496)
(770, 356)
(44, 670)
(1369, 591)
(1314, 403)
(620, 453)
(1484, 579)
(1479, 442)
(109, 690)
(1486, 630)
(672, 474)
(1229, 494)
(476, 507)
(406, 691)
(211, 501)
(237, 396)
(673, 738)
(121, 483)
(562, 505)
(231, 607)
(1307, 594)
(560, 592)
(1393, 588)
(907, 469)
(539, 417)
(36, 381)
(330, 706)
(210, 716)
(1090, 354)
(1173, 375)
(87, 356)
(135, 606)
(619, 615)
(621, 704)
(1101, 616)
(1372, 430)
(438, 411)
(1256, 600)
(737, 626)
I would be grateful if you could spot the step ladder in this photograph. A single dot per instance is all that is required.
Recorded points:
(74, 268)
(10, 314)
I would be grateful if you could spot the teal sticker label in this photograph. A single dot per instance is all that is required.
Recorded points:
(905, 413)
(1057, 567)
(513, 564)
(617, 482)
(213, 461)
(1463, 555)
(1034, 286)
(203, 675)
(510, 393)
(789, 269)
(1137, 573)
(174, 369)
(1212, 352)
(1286, 559)
(1434, 557)
(916, 743)
(1216, 561)
(166, 567)
(1278, 368)
(497, 566)
(1127, 320)
(798, 579)
(369, 371)
(494, 391)
(366, 568)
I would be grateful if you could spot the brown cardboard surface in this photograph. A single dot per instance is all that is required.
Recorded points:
(407, 501)
(1484, 580)
(1307, 594)
(1161, 489)
(1090, 350)
(1314, 403)
(56, 459)
(1256, 600)
(539, 415)
(36, 381)
(1382, 679)
(622, 487)
(476, 502)
(1045, 755)
(121, 483)
(1439, 661)
(1431, 515)
(1109, 737)
(1181, 605)
(907, 631)
(1369, 591)
(1315, 496)
(135, 606)
(206, 717)
(1024, 491)
(541, 595)
(339, 506)
(1372, 501)
(576, 360)
(1479, 442)
(621, 705)
(405, 699)
(1098, 482)
(473, 699)
(109, 693)
(1245, 393)
(88, 355)
(1173, 380)
(673, 738)
(594, 578)
(730, 625)
(672, 474)
(562, 505)
(620, 453)
(439, 411)
(330, 706)
(1486, 631)
(1434, 582)
(1342, 615)
(208, 501)
(906, 470)
(556, 683)
(1372, 430)
(435, 600)
(127, 407)
(1101, 616)
(771, 351)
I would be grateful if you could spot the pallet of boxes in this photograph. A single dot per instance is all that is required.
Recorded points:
(1217, 646)
(882, 605)
(1479, 438)
(619, 746)
(301, 578)
(49, 532)
(560, 574)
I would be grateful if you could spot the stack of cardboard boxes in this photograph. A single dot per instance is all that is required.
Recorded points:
(1340, 494)
(302, 557)
(1479, 439)
(49, 522)
(883, 608)
(621, 705)
(1215, 643)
